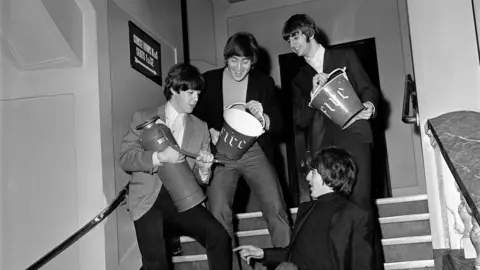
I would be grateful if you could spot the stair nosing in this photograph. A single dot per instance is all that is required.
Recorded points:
(412, 198)
(409, 264)
(385, 242)
(388, 266)
(405, 218)
(407, 240)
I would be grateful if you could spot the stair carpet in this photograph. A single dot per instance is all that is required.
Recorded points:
(404, 221)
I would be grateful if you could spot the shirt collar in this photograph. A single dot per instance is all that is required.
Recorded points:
(171, 114)
(317, 60)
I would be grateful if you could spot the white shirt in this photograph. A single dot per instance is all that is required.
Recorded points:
(317, 61)
(176, 123)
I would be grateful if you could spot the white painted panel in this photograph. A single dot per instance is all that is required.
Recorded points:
(38, 179)
(201, 38)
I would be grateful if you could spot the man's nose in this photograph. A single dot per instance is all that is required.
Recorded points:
(309, 176)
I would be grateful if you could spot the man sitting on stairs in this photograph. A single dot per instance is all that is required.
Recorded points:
(330, 232)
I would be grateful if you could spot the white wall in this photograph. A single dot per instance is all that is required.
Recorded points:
(50, 148)
(447, 71)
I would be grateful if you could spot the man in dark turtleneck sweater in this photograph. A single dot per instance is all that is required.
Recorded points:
(330, 232)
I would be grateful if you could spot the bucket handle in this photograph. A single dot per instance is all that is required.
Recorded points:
(338, 69)
(244, 105)
(312, 95)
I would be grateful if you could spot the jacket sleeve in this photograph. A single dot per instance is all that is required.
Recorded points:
(274, 256)
(366, 91)
(303, 114)
(272, 108)
(206, 147)
(362, 240)
(132, 156)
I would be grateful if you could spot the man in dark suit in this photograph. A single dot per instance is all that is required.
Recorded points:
(149, 203)
(302, 35)
(330, 232)
(240, 82)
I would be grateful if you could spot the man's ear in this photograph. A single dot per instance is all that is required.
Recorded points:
(173, 92)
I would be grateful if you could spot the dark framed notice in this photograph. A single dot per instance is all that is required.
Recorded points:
(145, 54)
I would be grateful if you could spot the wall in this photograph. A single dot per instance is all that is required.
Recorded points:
(131, 91)
(50, 146)
(447, 72)
(342, 21)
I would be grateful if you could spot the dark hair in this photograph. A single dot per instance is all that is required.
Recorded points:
(182, 77)
(337, 168)
(242, 44)
(301, 24)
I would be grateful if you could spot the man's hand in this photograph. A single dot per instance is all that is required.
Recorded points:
(256, 109)
(367, 112)
(169, 155)
(214, 135)
(204, 161)
(247, 252)
(318, 80)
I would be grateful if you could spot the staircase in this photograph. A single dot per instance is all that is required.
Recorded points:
(405, 224)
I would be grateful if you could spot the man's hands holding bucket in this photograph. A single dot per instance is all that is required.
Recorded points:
(318, 80)
(367, 112)
(256, 109)
(170, 155)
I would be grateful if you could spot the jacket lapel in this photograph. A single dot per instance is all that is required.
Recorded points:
(161, 113)
(188, 132)
(303, 218)
(326, 61)
(252, 94)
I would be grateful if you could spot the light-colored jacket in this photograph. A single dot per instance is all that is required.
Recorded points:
(145, 184)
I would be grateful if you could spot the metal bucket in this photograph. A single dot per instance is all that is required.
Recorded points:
(178, 178)
(337, 99)
(240, 130)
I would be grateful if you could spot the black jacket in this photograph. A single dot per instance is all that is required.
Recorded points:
(351, 232)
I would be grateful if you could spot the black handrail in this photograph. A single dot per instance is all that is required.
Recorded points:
(409, 95)
(82, 231)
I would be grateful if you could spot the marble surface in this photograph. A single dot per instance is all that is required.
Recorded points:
(458, 137)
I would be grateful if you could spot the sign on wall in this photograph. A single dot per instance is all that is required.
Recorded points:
(145, 54)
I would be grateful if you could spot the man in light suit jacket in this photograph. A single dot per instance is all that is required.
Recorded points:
(330, 232)
(149, 203)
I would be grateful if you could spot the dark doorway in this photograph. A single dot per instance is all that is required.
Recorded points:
(295, 139)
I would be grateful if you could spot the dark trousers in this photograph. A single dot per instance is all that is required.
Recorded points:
(263, 182)
(196, 222)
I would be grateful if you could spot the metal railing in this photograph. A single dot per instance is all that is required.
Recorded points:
(82, 231)
(410, 97)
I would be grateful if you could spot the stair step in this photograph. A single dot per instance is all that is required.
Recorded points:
(408, 252)
(411, 265)
(395, 249)
(403, 226)
(396, 226)
(200, 263)
(420, 264)
(399, 206)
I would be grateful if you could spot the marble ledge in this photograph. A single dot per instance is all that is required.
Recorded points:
(458, 137)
